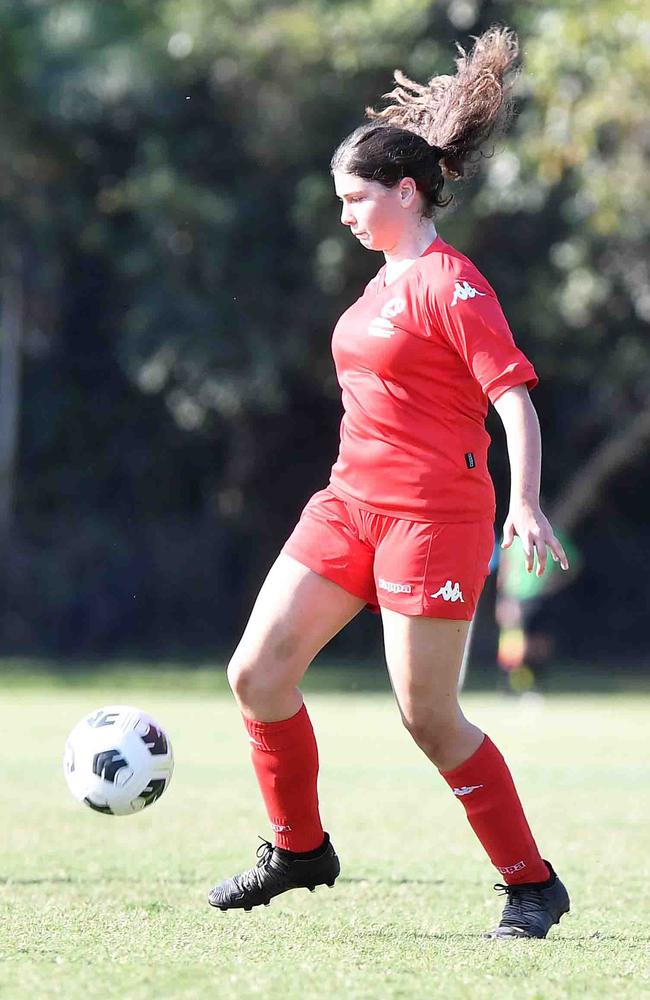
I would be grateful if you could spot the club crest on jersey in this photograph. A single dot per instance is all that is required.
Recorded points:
(393, 308)
(381, 325)
(464, 291)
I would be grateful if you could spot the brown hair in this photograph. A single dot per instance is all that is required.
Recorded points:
(434, 131)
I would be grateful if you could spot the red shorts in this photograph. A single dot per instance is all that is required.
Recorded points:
(414, 567)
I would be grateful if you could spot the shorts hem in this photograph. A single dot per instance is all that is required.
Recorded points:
(430, 613)
(323, 570)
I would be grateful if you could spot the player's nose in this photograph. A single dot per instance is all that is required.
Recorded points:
(347, 217)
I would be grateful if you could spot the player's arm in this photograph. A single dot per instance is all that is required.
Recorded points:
(525, 517)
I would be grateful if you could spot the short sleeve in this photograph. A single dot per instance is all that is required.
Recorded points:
(466, 311)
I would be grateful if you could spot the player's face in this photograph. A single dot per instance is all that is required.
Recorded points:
(374, 213)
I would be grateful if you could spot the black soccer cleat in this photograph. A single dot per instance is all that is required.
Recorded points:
(276, 871)
(532, 908)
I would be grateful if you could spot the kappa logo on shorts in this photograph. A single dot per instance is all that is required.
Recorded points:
(464, 292)
(394, 588)
(450, 592)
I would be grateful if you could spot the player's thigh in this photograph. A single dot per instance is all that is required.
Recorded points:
(440, 570)
(424, 657)
(296, 613)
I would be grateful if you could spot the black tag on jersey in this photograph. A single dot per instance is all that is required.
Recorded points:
(470, 461)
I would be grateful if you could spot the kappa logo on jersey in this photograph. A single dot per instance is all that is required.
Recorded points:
(381, 326)
(450, 592)
(394, 588)
(464, 292)
(465, 790)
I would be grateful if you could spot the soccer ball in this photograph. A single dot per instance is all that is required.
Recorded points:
(118, 760)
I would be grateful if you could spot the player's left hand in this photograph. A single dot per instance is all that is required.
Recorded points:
(536, 535)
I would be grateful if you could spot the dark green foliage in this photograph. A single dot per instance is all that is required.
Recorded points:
(164, 184)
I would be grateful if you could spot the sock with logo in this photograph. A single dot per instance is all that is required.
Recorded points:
(285, 758)
(484, 785)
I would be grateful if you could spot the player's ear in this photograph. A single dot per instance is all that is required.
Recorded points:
(407, 191)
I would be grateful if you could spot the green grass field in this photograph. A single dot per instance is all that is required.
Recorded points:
(97, 906)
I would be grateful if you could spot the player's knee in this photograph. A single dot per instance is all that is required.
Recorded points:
(242, 677)
(252, 684)
(435, 736)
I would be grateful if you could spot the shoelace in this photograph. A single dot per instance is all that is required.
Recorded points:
(251, 879)
(264, 852)
(521, 902)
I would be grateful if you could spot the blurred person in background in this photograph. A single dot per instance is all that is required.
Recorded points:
(406, 522)
(526, 644)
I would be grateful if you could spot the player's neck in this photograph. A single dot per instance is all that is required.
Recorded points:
(408, 249)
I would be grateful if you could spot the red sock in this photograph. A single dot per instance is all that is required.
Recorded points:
(285, 758)
(484, 785)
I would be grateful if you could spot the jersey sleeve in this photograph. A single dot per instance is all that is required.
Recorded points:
(466, 312)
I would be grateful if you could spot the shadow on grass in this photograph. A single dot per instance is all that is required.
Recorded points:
(380, 933)
(565, 939)
(44, 880)
(85, 880)
(596, 937)
(389, 881)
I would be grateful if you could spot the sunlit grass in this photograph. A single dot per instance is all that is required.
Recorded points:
(115, 907)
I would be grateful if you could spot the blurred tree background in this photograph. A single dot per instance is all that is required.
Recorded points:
(172, 265)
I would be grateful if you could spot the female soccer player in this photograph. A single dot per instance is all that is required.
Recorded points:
(405, 523)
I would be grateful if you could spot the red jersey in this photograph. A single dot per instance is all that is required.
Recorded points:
(417, 361)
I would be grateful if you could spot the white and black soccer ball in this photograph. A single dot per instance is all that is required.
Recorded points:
(118, 760)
